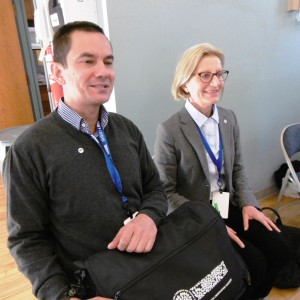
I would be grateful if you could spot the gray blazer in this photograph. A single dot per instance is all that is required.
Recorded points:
(181, 160)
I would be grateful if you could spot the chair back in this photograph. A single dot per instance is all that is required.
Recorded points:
(290, 139)
(290, 145)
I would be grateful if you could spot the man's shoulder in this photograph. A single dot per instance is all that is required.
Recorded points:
(120, 121)
(113, 116)
(42, 127)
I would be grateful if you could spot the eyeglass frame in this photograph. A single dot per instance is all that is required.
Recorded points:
(213, 74)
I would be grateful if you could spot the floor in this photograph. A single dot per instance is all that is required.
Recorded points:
(14, 286)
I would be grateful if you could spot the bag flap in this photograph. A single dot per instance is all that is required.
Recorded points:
(113, 269)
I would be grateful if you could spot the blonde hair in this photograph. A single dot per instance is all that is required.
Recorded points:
(187, 65)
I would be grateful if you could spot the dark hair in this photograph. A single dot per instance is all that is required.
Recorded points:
(62, 41)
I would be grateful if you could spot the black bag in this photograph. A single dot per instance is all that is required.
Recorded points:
(192, 258)
(289, 276)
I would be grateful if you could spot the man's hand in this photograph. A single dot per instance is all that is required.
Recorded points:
(232, 234)
(252, 213)
(136, 236)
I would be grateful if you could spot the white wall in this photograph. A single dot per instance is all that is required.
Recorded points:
(261, 42)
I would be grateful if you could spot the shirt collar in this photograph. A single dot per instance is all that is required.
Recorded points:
(198, 117)
(73, 118)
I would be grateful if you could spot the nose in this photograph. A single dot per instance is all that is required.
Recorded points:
(215, 80)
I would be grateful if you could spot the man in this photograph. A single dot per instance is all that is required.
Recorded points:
(74, 177)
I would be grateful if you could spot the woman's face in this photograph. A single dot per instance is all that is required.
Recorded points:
(204, 94)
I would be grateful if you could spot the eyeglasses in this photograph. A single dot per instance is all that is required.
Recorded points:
(208, 76)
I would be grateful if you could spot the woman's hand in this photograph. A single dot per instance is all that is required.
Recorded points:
(252, 213)
(232, 234)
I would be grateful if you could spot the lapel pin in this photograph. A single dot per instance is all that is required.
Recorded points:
(80, 150)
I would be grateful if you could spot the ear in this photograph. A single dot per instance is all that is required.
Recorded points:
(56, 73)
(184, 87)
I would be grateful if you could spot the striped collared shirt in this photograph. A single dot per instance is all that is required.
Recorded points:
(73, 118)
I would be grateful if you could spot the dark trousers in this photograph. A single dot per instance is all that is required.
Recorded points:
(265, 253)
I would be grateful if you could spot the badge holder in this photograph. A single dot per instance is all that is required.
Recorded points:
(220, 201)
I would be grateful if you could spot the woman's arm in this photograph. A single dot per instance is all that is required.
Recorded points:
(167, 164)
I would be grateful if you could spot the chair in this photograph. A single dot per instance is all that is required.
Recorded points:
(7, 137)
(290, 145)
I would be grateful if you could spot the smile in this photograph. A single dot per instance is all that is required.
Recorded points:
(213, 92)
(99, 86)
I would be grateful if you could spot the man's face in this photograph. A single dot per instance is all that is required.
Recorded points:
(88, 76)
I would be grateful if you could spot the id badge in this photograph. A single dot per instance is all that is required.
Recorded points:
(220, 202)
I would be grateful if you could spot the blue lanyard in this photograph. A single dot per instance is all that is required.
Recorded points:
(114, 174)
(217, 162)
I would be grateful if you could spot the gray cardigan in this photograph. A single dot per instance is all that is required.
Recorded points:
(62, 203)
(181, 160)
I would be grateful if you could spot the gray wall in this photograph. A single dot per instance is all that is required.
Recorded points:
(261, 42)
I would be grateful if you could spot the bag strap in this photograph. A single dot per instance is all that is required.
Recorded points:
(275, 212)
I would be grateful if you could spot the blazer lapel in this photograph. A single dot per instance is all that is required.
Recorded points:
(189, 129)
(225, 131)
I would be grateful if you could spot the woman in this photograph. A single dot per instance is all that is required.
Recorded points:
(198, 154)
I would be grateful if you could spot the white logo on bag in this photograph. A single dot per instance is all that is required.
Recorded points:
(205, 285)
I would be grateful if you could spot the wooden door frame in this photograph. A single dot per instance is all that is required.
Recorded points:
(29, 64)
